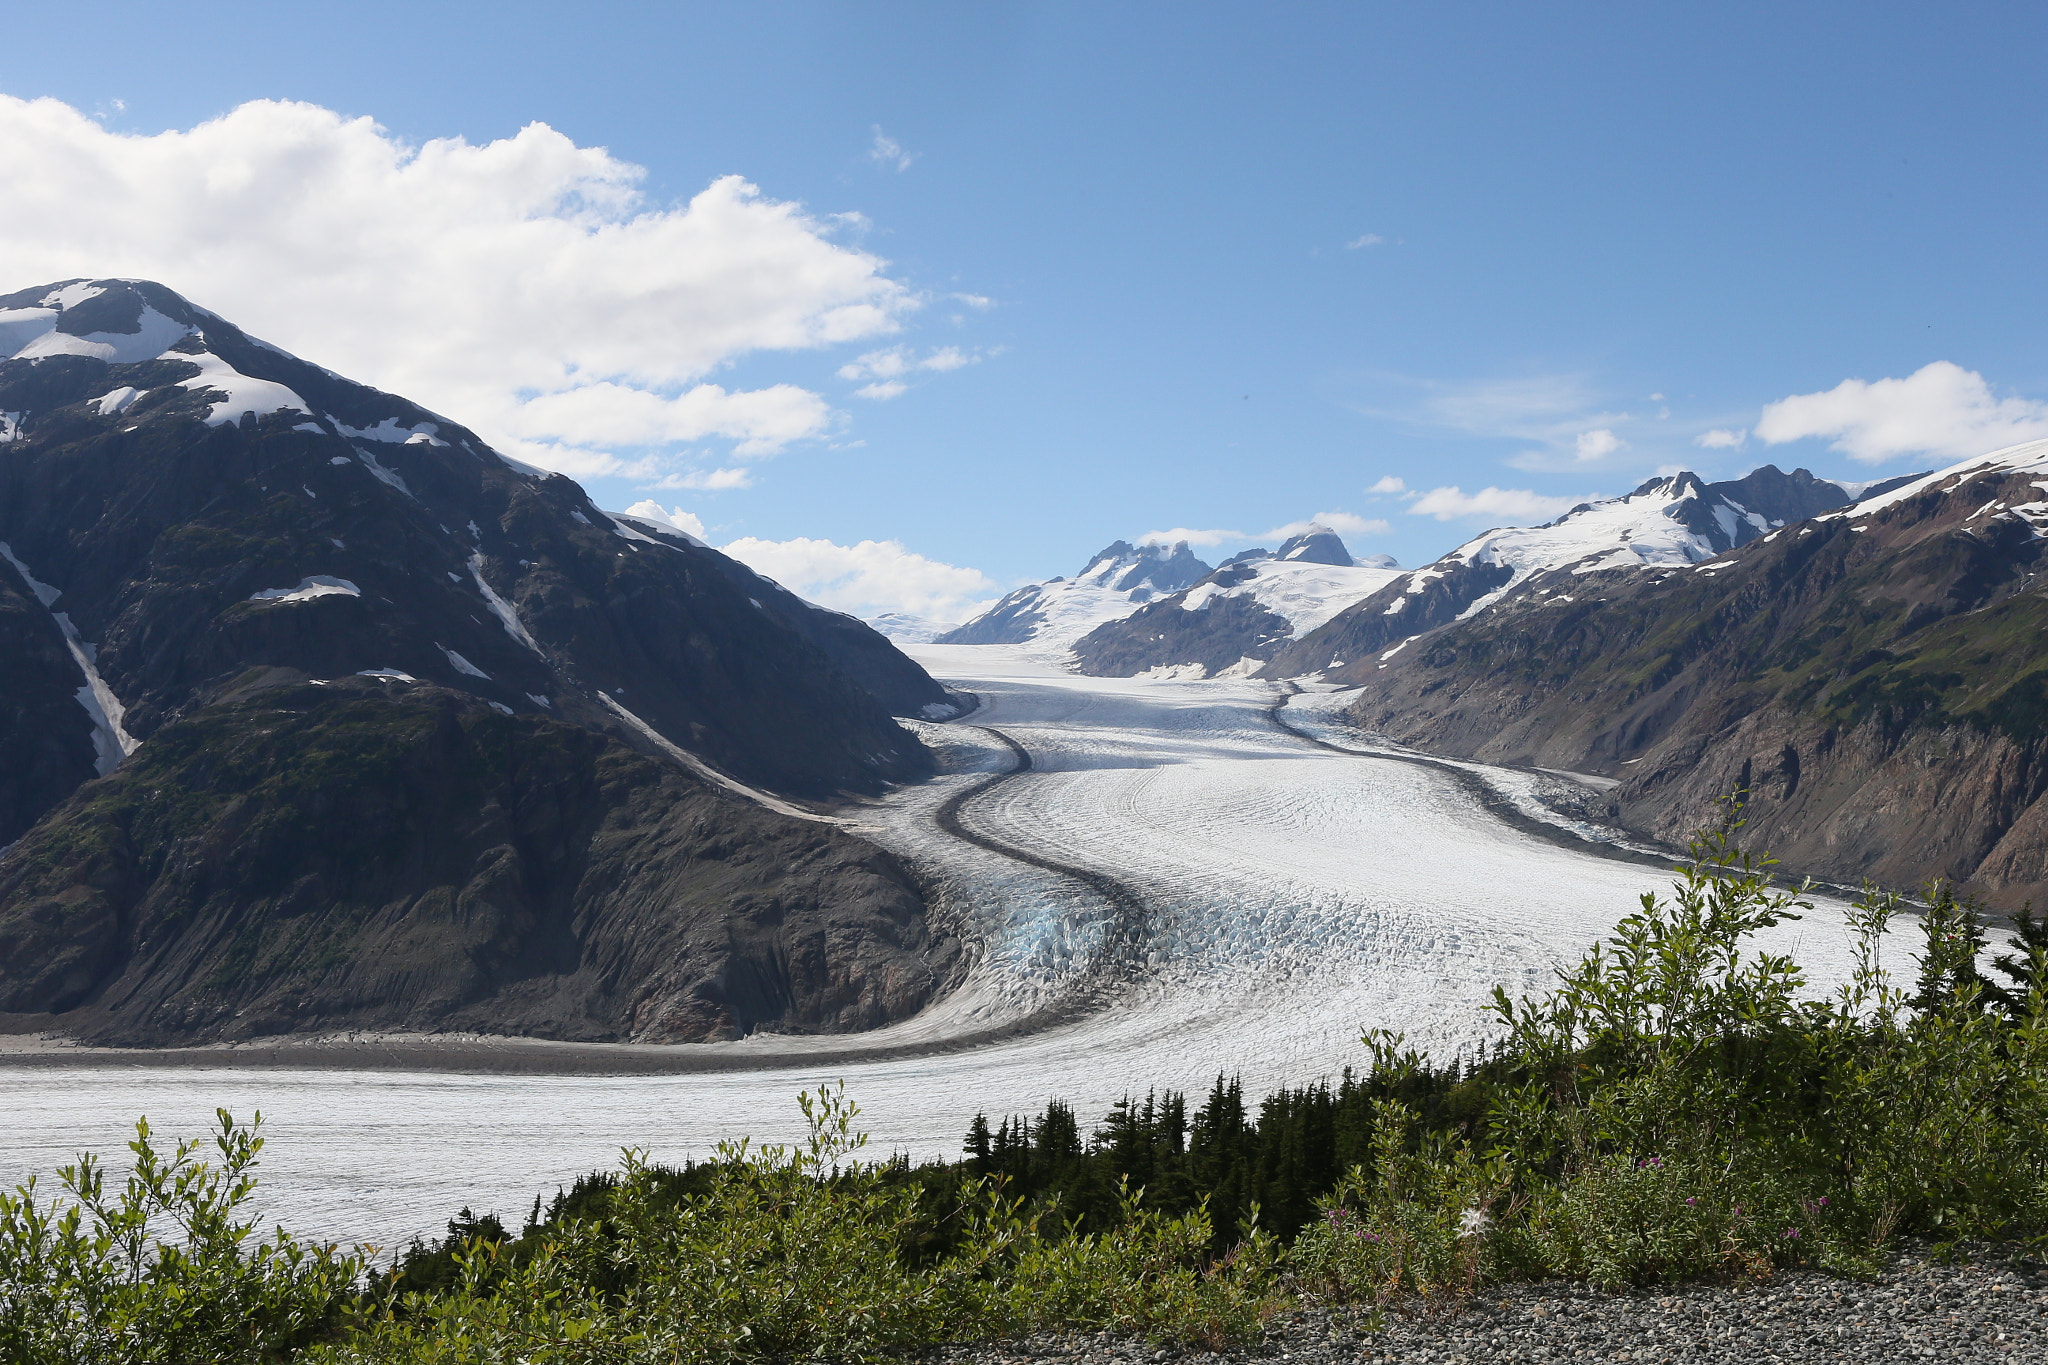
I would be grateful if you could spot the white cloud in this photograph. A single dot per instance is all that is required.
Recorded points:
(1388, 485)
(870, 578)
(948, 358)
(1344, 523)
(1554, 413)
(1505, 506)
(1191, 536)
(887, 151)
(513, 285)
(1940, 409)
(762, 421)
(708, 480)
(1721, 438)
(897, 362)
(888, 369)
(686, 522)
(978, 302)
(1596, 445)
(1369, 239)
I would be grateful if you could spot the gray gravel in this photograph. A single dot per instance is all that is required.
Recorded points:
(1994, 1308)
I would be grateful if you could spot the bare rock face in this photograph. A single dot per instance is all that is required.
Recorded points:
(372, 855)
(1877, 681)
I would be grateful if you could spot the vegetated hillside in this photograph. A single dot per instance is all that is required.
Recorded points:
(1674, 520)
(187, 514)
(375, 854)
(1116, 582)
(1239, 615)
(1876, 678)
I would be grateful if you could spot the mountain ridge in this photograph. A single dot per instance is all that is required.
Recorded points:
(1116, 581)
(202, 537)
(1871, 676)
(1676, 519)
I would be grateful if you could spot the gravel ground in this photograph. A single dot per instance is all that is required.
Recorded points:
(1991, 1309)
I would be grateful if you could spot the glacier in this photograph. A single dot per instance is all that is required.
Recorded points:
(1247, 885)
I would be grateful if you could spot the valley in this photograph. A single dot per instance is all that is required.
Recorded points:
(1292, 894)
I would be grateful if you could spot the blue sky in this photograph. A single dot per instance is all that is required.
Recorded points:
(1146, 267)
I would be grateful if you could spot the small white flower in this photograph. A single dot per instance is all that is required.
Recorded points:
(1473, 1223)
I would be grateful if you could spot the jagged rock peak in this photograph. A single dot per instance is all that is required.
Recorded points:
(1122, 567)
(1316, 545)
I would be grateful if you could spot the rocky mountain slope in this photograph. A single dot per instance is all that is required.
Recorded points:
(201, 535)
(1056, 613)
(1875, 677)
(1672, 520)
(1238, 616)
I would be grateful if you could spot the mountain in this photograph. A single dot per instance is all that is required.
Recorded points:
(1054, 614)
(1675, 520)
(1238, 616)
(1874, 676)
(311, 698)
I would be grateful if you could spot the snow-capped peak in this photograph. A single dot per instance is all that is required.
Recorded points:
(1117, 581)
(131, 322)
(2029, 457)
(1123, 567)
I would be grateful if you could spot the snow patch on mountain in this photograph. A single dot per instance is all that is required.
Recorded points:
(111, 741)
(108, 404)
(1305, 594)
(500, 608)
(40, 335)
(318, 585)
(241, 395)
(368, 459)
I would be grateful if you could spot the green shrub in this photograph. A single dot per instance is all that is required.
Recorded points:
(801, 1252)
(162, 1268)
(1678, 1107)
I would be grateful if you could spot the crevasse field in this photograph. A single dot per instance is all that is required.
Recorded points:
(1277, 897)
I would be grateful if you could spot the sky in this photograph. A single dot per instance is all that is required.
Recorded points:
(909, 303)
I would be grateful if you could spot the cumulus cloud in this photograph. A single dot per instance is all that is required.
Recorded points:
(1369, 239)
(1344, 523)
(883, 391)
(1940, 409)
(1721, 438)
(870, 578)
(761, 421)
(1596, 445)
(686, 522)
(887, 151)
(526, 287)
(1388, 485)
(1504, 506)
(1192, 536)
